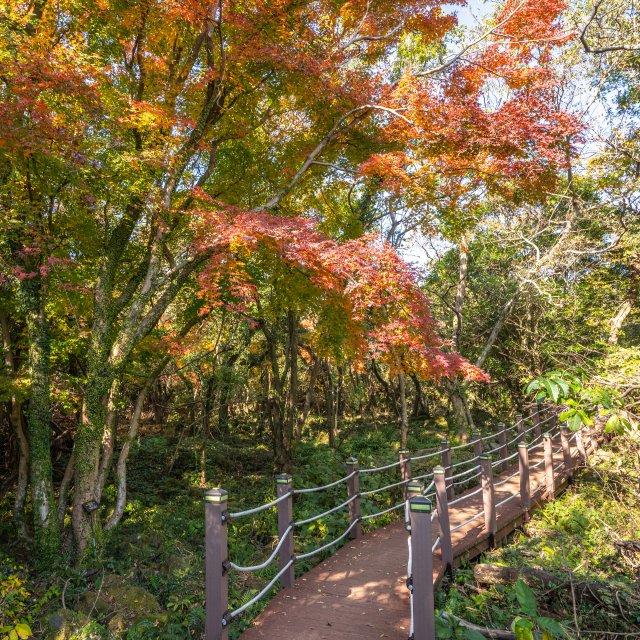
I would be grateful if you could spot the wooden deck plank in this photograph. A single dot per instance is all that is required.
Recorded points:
(360, 591)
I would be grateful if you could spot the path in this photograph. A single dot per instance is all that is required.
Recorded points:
(360, 591)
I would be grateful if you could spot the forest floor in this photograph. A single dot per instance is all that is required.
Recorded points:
(158, 548)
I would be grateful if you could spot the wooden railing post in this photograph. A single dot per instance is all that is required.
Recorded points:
(284, 485)
(553, 422)
(582, 452)
(446, 463)
(405, 469)
(216, 578)
(443, 518)
(414, 489)
(535, 418)
(566, 451)
(488, 499)
(424, 627)
(477, 446)
(525, 490)
(504, 452)
(548, 467)
(593, 436)
(520, 427)
(353, 489)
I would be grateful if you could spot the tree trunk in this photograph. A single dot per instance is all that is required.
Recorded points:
(404, 428)
(16, 422)
(329, 395)
(208, 391)
(494, 574)
(308, 400)
(63, 496)
(293, 385)
(45, 520)
(632, 298)
(460, 293)
(108, 439)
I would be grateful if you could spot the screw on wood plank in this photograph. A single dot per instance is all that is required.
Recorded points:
(502, 438)
(216, 579)
(405, 469)
(353, 489)
(488, 498)
(525, 497)
(446, 463)
(443, 518)
(548, 467)
(422, 569)
(284, 486)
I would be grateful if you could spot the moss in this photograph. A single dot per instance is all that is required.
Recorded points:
(63, 625)
(117, 597)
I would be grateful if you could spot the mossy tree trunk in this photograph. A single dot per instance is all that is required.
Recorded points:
(33, 294)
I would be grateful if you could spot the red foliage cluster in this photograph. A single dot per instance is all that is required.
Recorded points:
(385, 314)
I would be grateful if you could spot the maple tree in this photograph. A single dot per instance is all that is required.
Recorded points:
(154, 153)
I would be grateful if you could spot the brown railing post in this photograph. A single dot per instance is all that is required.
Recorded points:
(553, 423)
(535, 418)
(502, 438)
(446, 463)
(548, 467)
(582, 452)
(520, 425)
(216, 578)
(284, 485)
(477, 446)
(353, 489)
(525, 489)
(488, 499)
(405, 469)
(443, 518)
(424, 627)
(414, 489)
(593, 435)
(566, 451)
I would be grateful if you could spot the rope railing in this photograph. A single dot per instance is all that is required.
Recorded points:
(443, 491)
(326, 486)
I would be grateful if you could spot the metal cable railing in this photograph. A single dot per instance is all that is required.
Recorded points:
(326, 486)
(362, 494)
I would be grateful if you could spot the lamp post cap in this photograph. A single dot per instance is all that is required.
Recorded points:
(215, 495)
(523, 444)
(284, 478)
(403, 450)
(352, 460)
(420, 504)
(485, 456)
(438, 469)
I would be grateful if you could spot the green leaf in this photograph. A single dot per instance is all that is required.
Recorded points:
(575, 421)
(523, 629)
(552, 389)
(551, 626)
(443, 628)
(563, 386)
(613, 423)
(24, 631)
(532, 386)
(565, 415)
(526, 598)
(472, 634)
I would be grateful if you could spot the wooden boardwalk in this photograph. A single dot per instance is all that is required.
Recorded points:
(360, 592)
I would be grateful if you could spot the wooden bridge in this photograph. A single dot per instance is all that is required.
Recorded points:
(360, 592)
